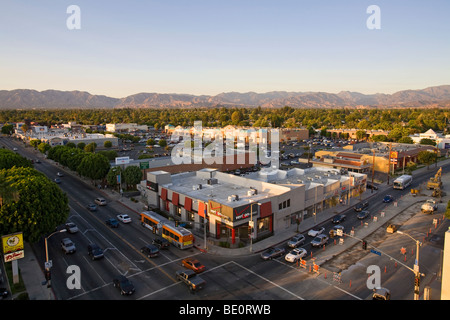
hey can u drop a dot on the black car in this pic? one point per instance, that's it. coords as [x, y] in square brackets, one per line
[338, 218]
[369, 185]
[94, 251]
[161, 243]
[363, 215]
[361, 206]
[125, 286]
[150, 250]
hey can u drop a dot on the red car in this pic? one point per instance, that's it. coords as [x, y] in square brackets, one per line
[193, 264]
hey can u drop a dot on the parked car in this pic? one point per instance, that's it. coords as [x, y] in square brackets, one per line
[361, 206]
[161, 243]
[363, 215]
[388, 199]
[71, 227]
[150, 250]
[100, 201]
[57, 180]
[68, 246]
[113, 223]
[193, 264]
[370, 185]
[125, 286]
[338, 218]
[60, 174]
[296, 241]
[271, 253]
[320, 240]
[94, 251]
[295, 255]
[124, 218]
[316, 231]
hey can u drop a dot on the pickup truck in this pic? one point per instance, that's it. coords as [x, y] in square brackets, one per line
[191, 279]
[429, 206]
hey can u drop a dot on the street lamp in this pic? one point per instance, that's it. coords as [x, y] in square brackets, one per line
[47, 265]
[251, 224]
[416, 266]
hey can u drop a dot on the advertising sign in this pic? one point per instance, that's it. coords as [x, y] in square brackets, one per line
[12, 245]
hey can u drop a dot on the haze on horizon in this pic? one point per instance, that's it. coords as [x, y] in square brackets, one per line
[205, 47]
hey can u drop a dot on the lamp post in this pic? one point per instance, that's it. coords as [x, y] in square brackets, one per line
[47, 265]
[416, 266]
[251, 224]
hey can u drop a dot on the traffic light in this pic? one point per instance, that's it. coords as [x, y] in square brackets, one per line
[417, 281]
[176, 223]
[48, 275]
[364, 245]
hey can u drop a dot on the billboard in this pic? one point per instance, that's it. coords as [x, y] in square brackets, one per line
[12, 245]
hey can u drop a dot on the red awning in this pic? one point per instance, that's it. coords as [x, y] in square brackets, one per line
[188, 204]
[164, 194]
[265, 209]
[175, 198]
[202, 207]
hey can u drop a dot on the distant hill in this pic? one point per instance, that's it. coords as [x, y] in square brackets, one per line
[438, 96]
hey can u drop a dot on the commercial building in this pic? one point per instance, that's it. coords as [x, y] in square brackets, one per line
[272, 199]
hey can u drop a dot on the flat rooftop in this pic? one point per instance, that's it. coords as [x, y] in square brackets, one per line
[209, 184]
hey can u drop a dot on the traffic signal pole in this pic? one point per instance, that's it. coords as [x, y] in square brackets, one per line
[416, 272]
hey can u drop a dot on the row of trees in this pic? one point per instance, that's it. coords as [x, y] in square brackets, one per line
[29, 201]
[414, 120]
[95, 166]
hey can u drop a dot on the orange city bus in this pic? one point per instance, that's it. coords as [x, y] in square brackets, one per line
[178, 236]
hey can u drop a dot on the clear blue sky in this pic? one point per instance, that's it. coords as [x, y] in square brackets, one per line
[210, 46]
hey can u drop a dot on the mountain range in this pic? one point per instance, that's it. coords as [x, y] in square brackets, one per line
[438, 96]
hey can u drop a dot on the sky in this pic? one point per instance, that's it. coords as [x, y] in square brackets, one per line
[209, 46]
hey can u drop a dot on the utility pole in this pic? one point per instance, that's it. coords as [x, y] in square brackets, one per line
[389, 162]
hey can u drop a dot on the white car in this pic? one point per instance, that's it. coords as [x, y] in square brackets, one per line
[124, 218]
[314, 232]
[295, 255]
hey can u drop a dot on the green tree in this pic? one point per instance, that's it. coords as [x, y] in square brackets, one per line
[7, 129]
[94, 166]
[107, 144]
[427, 141]
[408, 140]
[9, 159]
[44, 147]
[35, 142]
[426, 157]
[90, 147]
[162, 143]
[111, 176]
[132, 175]
[40, 208]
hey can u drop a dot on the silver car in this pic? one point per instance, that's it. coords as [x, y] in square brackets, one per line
[320, 240]
[296, 241]
[68, 246]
